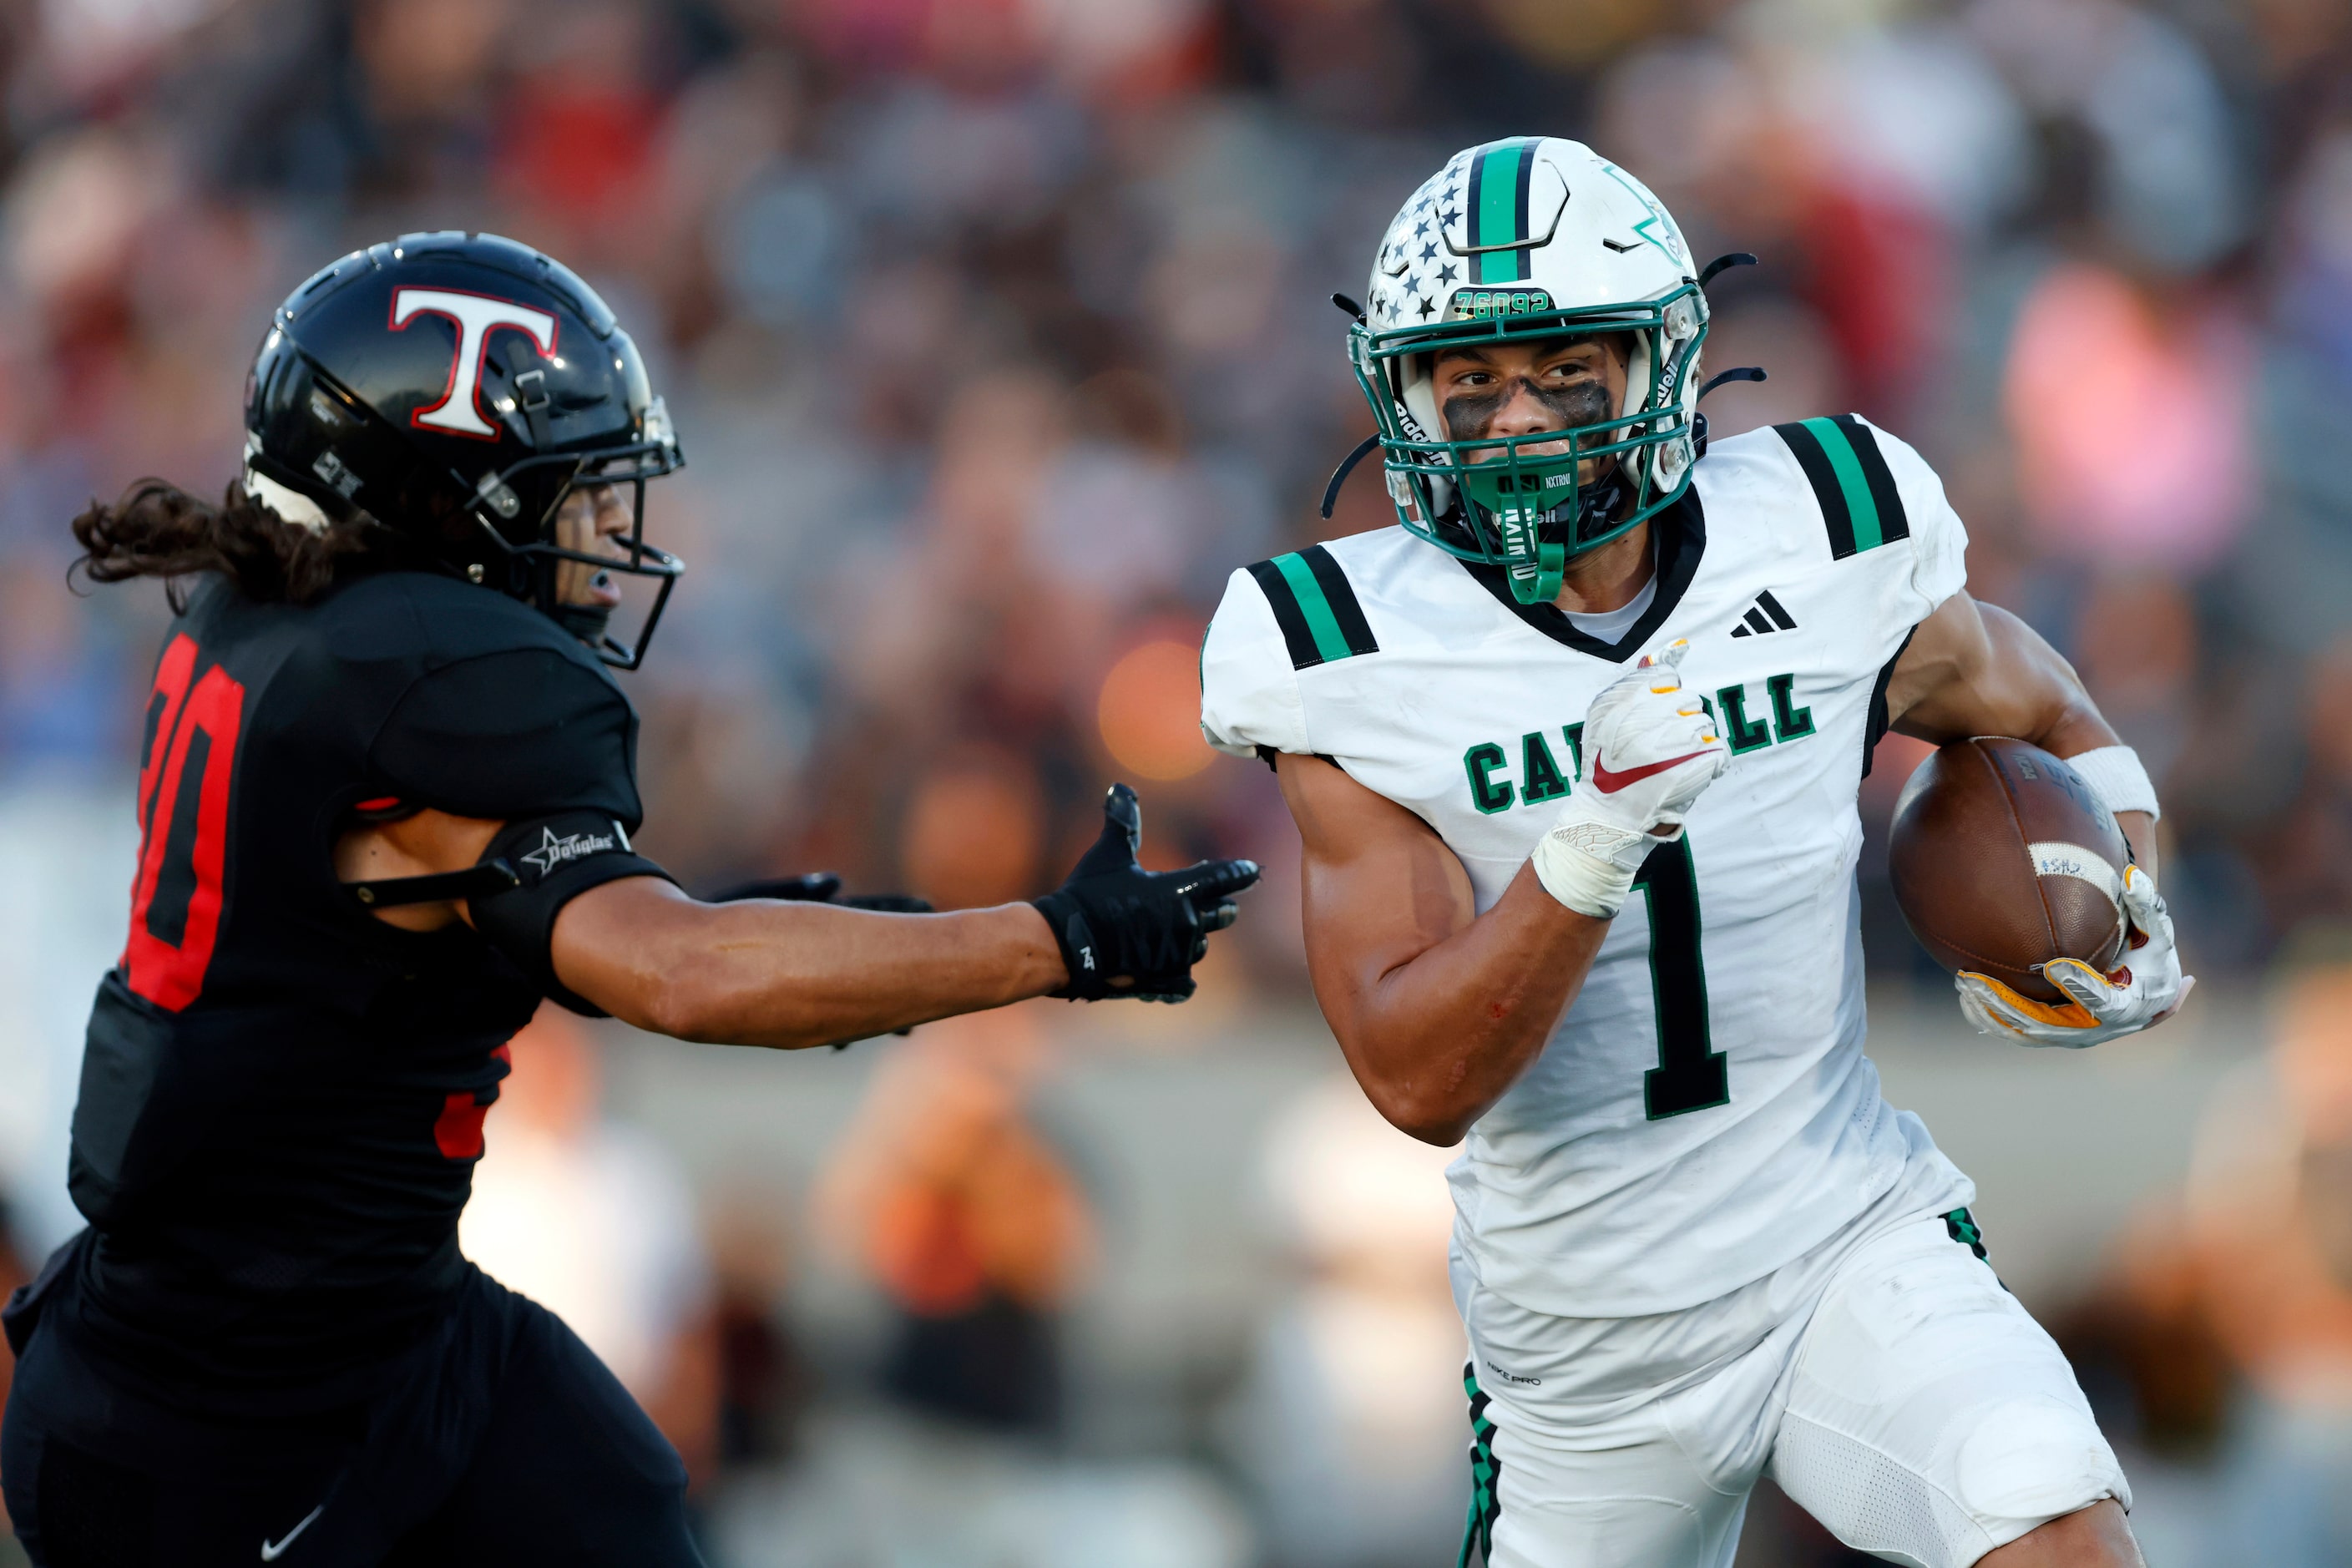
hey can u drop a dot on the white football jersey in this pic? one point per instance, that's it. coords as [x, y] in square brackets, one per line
[1703, 1113]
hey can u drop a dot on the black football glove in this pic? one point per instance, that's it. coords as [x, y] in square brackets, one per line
[823, 888]
[1117, 922]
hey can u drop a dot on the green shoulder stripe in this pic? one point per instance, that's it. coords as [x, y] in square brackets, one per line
[1321, 621]
[1860, 508]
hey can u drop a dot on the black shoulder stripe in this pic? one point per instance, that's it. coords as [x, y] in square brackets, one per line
[1295, 633]
[1321, 621]
[1341, 597]
[1807, 448]
[1893, 523]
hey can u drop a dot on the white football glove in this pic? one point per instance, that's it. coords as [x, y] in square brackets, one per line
[1650, 748]
[2148, 988]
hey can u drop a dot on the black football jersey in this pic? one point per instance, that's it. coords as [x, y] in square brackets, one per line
[282, 1097]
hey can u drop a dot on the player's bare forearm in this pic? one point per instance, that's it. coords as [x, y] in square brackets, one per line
[762, 973]
[1975, 669]
[1436, 1039]
[1438, 1009]
[752, 973]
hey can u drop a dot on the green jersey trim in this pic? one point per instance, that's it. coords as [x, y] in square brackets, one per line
[1320, 620]
[1860, 508]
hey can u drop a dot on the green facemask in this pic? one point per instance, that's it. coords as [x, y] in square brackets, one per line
[1499, 501]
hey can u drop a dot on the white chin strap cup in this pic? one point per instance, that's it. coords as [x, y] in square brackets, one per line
[291, 505]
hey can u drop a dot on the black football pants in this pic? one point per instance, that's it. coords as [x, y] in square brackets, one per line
[565, 1468]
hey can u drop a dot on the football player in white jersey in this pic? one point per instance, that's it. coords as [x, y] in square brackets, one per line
[1693, 1244]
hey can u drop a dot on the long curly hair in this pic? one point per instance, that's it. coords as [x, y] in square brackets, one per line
[158, 529]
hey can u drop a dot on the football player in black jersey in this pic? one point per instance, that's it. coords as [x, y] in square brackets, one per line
[386, 796]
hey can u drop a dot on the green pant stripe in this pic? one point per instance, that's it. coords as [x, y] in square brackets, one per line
[1328, 639]
[1486, 1472]
[1852, 480]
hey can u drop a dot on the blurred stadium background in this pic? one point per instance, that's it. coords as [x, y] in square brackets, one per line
[996, 332]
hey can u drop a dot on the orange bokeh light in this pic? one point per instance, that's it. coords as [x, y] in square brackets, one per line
[1150, 711]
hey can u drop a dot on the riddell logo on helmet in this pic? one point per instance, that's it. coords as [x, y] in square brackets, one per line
[476, 316]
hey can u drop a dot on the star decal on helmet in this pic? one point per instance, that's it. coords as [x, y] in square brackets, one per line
[1414, 251]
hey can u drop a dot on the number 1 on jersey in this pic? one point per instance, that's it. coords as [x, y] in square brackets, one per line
[1689, 1076]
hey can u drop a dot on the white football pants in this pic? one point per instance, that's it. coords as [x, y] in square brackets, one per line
[1902, 1398]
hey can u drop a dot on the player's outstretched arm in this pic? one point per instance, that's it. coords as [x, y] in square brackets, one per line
[1437, 1009]
[1975, 669]
[759, 972]
[792, 974]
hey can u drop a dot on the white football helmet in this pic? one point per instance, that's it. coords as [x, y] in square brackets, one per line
[1532, 238]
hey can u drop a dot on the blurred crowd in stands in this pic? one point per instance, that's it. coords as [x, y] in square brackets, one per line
[997, 335]
[996, 332]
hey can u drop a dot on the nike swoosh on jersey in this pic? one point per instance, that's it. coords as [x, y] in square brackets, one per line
[1608, 783]
[271, 1550]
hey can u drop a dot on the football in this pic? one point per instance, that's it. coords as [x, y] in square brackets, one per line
[2002, 859]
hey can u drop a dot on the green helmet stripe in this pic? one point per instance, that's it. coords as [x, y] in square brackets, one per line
[1498, 207]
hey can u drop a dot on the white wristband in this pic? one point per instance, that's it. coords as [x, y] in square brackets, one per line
[1580, 865]
[2117, 777]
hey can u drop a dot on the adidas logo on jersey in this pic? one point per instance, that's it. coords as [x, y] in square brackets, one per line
[1764, 617]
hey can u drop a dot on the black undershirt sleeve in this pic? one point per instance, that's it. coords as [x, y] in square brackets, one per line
[515, 733]
[543, 744]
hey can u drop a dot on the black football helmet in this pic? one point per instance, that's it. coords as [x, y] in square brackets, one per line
[455, 387]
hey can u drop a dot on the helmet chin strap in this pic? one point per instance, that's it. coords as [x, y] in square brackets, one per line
[1596, 504]
[586, 622]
